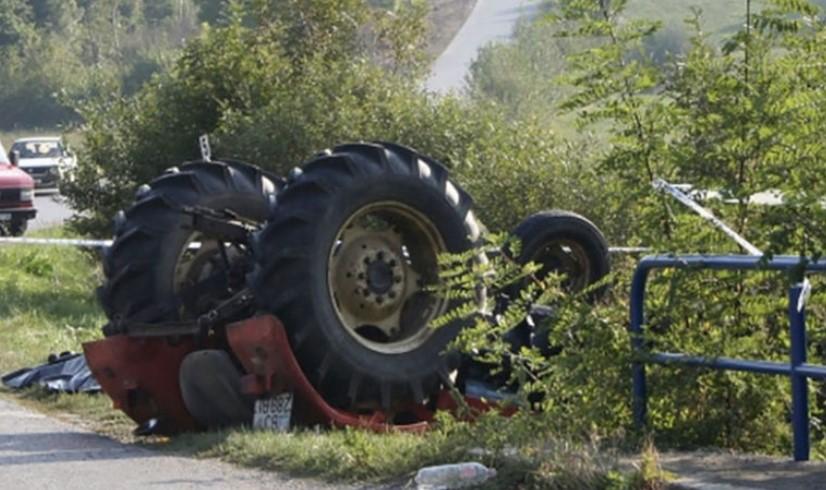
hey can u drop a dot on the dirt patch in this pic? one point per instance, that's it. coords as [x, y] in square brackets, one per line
[446, 18]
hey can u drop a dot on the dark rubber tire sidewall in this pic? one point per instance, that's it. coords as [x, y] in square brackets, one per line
[293, 253]
[150, 236]
[539, 229]
[450, 227]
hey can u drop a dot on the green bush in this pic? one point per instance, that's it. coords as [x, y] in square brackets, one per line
[266, 99]
[739, 118]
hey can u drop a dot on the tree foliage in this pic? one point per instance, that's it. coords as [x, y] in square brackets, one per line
[738, 117]
[264, 98]
[56, 53]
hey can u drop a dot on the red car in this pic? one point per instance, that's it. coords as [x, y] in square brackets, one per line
[16, 196]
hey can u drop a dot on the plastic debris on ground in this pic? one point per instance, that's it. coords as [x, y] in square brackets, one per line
[63, 373]
[449, 476]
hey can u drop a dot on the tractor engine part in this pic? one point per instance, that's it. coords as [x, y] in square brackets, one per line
[559, 242]
[211, 389]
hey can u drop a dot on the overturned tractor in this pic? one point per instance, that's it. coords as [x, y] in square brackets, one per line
[226, 285]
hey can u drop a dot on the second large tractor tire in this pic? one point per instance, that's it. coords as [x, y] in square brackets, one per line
[160, 268]
[345, 262]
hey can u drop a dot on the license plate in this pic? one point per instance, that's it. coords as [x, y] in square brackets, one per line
[274, 413]
[5, 216]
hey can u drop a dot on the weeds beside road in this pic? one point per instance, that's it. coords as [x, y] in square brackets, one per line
[47, 302]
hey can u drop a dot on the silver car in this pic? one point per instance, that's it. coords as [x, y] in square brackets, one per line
[47, 159]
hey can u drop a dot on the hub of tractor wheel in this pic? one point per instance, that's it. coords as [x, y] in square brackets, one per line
[378, 270]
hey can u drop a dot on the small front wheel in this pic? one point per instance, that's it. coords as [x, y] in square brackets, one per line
[565, 243]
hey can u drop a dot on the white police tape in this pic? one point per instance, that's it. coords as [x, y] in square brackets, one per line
[89, 243]
[65, 242]
[629, 250]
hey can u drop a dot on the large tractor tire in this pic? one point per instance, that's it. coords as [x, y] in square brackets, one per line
[345, 262]
[160, 268]
[566, 243]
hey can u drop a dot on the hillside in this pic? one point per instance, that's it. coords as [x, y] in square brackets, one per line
[58, 55]
[520, 74]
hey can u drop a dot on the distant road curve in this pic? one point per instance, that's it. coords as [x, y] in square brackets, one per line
[490, 20]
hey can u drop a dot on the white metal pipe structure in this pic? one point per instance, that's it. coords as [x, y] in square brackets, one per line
[683, 198]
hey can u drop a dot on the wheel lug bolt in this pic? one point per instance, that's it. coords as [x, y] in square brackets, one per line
[391, 294]
[367, 260]
[392, 263]
[380, 255]
[379, 300]
[361, 275]
[397, 279]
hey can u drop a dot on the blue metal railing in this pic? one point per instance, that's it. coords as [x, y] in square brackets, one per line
[797, 369]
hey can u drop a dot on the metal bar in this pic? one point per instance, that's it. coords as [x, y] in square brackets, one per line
[800, 391]
[797, 369]
[683, 198]
[639, 386]
[729, 262]
[811, 371]
[723, 363]
[731, 364]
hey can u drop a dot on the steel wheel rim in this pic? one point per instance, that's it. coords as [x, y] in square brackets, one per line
[568, 258]
[199, 258]
[379, 266]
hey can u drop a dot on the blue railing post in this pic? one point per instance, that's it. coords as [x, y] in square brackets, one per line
[797, 368]
[639, 404]
[800, 391]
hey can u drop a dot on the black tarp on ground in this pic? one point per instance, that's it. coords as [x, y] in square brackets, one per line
[64, 373]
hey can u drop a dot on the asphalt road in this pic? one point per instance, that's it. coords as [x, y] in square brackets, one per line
[490, 21]
[52, 210]
[38, 452]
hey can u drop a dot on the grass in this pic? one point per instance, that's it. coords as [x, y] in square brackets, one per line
[524, 454]
[49, 306]
[48, 302]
